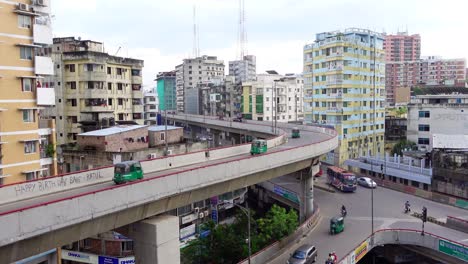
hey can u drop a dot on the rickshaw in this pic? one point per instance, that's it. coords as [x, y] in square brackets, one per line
[127, 171]
[296, 132]
[258, 146]
[336, 225]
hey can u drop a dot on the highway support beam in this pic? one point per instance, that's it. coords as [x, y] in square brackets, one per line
[157, 240]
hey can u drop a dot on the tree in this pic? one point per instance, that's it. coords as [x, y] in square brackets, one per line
[277, 224]
[401, 145]
[49, 150]
[401, 111]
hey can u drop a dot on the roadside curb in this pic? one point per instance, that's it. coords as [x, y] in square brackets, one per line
[429, 219]
[327, 189]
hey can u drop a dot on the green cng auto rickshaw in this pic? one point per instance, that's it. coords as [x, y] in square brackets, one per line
[258, 146]
[296, 132]
[127, 171]
[336, 225]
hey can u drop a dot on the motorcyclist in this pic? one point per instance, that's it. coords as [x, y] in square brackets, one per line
[407, 207]
[343, 210]
[330, 259]
[335, 257]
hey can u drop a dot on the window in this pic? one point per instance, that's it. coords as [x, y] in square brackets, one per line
[28, 116]
[90, 85]
[120, 102]
[109, 101]
[74, 119]
[121, 116]
[24, 21]
[424, 114]
[109, 70]
[73, 85]
[345, 131]
[71, 67]
[109, 86]
[119, 71]
[26, 53]
[127, 246]
[423, 128]
[423, 141]
[30, 147]
[26, 84]
[119, 86]
[73, 102]
[162, 136]
[30, 176]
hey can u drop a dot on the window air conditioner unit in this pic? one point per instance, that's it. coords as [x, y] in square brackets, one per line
[23, 7]
[152, 156]
[206, 213]
[201, 215]
[196, 210]
[40, 2]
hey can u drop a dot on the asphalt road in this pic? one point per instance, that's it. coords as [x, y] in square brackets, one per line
[388, 213]
[307, 138]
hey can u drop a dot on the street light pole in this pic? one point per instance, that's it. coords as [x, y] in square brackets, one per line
[246, 211]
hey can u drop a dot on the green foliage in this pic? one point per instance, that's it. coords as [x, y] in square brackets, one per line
[401, 111]
[277, 224]
[229, 244]
[401, 145]
[50, 150]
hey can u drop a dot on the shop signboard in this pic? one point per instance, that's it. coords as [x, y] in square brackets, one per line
[187, 231]
[79, 256]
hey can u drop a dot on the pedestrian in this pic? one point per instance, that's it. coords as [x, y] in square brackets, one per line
[335, 257]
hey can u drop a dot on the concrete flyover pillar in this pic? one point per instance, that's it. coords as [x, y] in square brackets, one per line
[216, 137]
[157, 240]
[307, 182]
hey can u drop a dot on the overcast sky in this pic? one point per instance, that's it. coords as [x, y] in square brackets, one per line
[160, 31]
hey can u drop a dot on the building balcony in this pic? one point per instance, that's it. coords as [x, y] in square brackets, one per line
[137, 93]
[137, 108]
[97, 108]
[136, 79]
[43, 65]
[150, 116]
[94, 93]
[150, 108]
[45, 96]
[96, 76]
[41, 6]
[46, 161]
[42, 34]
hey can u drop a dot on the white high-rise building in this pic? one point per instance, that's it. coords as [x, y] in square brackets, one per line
[243, 70]
[201, 70]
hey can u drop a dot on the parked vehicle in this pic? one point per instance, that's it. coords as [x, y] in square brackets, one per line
[127, 171]
[341, 179]
[296, 133]
[336, 225]
[258, 146]
[367, 182]
[304, 254]
[237, 118]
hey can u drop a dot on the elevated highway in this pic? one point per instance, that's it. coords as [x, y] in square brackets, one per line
[54, 219]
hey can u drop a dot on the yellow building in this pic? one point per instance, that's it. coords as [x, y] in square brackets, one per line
[344, 87]
[26, 70]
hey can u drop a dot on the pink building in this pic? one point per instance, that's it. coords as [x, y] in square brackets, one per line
[402, 47]
[401, 76]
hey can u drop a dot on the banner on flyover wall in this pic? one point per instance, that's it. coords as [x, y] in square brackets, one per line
[360, 251]
[454, 250]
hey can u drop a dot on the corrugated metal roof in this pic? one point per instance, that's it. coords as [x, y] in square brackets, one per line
[449, 141]
[161, 128]
[111, 130]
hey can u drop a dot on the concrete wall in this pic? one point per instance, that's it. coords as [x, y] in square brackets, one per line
[405, 237]
[173, 136]
[457, 223]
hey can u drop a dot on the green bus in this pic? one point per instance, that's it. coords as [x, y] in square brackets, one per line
[296, 133]
[127, 171]
[258, 146]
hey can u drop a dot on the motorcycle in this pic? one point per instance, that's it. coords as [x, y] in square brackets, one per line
[407, 209]
[343, 213]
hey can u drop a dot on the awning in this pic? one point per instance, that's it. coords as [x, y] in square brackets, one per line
[24, 12]
[29, 77]
[29, 171]
[28, 45]
[30, 108]
[29, 140]
[3, 109]
[4, 175]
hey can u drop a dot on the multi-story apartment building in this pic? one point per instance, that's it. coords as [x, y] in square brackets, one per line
[243, 70]
[26, 133]
[94, 89]
[429, 71]
[166, 90]
[151, 107]
[273, 96]
[191, 72]
[344, 75]
[402, 47]
[437, 113]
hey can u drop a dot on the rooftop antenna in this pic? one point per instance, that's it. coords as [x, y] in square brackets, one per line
[242, 34]
[117, 51]
[196, 42]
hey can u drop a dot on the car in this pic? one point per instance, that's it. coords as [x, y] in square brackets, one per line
[304, 254]
[367, 182]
